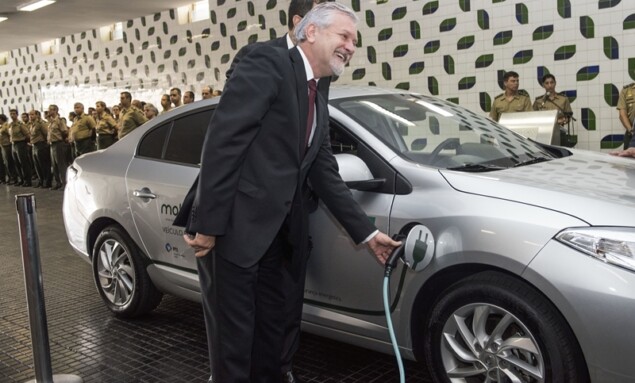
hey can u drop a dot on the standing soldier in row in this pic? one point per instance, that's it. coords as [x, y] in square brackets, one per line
[57, 135]
[82, 131]
[41, 152]
[552, 100]
[626, 108]
[106, 126]
[19, 134]
[512, 100]
[5, 146]
[130, 117]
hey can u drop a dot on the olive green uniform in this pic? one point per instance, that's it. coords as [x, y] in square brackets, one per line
[57, 138]
[41, 152]
[557, 102]
[19, 134]
[626, 102]
[106, 130]
[7, 157]
[82, 134]
[129, 119]
[519, 103]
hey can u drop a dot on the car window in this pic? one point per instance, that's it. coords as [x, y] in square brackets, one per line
[186, 138]
[152, 143]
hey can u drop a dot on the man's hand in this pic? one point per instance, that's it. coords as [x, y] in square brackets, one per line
[201, 243]
[630, 152]
[382, 246]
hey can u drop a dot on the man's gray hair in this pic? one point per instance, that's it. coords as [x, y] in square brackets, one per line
[322, 16]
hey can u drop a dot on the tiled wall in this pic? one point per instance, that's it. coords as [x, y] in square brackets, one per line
[455, 49]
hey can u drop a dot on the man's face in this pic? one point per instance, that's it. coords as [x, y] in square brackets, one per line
[187, 99]
[175, 98]
[549, 85]
[32, 116]
[115, 110]
[165, 101]
[512, 84]
[25, 117]
[124, 100]
[335, 45]
[206, 93]
[52, 112]
[13, 115]
[149, 112]
[79, 109]
[99, 109]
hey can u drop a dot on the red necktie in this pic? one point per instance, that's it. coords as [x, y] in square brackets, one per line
[309, 121]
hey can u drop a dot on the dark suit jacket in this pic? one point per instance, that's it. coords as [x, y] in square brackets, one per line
[252, 170]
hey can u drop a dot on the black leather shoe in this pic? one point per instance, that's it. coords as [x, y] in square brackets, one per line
[288, 377]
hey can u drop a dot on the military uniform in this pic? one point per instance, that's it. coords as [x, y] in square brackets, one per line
[557, 102]
[519, 103]
[626, 102]
[106, 130]
[41, 152]
[129, 119]
[82, 134]
[57, 132]
[7, 157]
[19, 134]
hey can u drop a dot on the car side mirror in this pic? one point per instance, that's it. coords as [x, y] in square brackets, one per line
[355, 173]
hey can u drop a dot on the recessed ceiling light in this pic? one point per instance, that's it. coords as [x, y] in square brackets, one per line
[2, 18]
[33, 5]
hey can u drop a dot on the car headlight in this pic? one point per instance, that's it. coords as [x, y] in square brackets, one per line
[615, 245]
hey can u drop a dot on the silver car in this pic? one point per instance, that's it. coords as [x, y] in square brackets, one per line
[532, 271]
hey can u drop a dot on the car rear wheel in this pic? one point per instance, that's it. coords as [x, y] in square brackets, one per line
[120, 275]
[494, 328]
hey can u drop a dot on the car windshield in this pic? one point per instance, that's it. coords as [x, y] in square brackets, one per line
[441, 134]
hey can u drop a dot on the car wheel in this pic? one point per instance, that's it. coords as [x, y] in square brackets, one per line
[491, 327]
[120, 275]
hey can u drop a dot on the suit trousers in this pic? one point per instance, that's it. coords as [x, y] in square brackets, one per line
[9, 165]
[59, 150]
[244, 315]
[42, 160]
[21, 160]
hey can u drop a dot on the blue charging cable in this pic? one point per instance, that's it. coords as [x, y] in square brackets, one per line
[390, 265]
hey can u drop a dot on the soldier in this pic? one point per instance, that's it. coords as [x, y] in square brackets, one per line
[188, 97]
[106, 126]
[82, 131]
[626, 108]
[513, 100]
[57, 134]
[175, 97]
[19, 135]
[553, 100]
[41, 151]
[7, 157]
[130, 117]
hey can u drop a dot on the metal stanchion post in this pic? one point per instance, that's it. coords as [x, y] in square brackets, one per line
[25, 204]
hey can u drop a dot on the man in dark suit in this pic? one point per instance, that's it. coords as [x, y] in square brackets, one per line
[264, 143]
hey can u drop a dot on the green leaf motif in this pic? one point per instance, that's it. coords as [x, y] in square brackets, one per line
[612, 141]
[611, 48]
[483, 19]
[415, 30]
[603, 4]
[522, 14]
[359, 74]
[485, 101]
[403, 86]
[271, 4]
[355, 5]
[465, 42]
[386, 71]
[611, 94]
[631, 68]
[564, 8]
[282, 15]
[385, 34]
[370, 19]
[400, 51]
[241, 26]
[629, 22]
[447, 25]
[588, 73]
[416, 68]
[503, 37]
[467, 83]
[430, 8]
[431, 46]
[543, 33]
[564, 52]
[587, 27]
[523, 57]
[484, 61]
[433, 86]
[399, 13]
[372, 55]
[231, 13]
[588, 119]
[448, 64]
[454, 100]
[464, 5]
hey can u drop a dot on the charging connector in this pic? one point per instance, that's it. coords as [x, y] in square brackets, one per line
[391, 263]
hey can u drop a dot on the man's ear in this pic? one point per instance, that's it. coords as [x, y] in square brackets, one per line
[296, 20]
[310, 32]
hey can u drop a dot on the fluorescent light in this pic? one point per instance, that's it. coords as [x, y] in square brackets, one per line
[2, 18]
[33, 5]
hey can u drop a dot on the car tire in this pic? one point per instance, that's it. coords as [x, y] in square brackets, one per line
[120, 275]
[513, 331]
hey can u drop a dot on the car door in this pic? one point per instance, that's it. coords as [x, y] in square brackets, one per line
[157, 180]
[341, 276]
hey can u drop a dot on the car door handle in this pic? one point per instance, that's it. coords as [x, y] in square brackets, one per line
[144, 193]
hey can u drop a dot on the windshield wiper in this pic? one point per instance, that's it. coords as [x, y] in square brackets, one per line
[477, 168]
[532, 161]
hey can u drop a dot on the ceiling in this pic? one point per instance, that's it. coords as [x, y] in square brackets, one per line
[66, 17]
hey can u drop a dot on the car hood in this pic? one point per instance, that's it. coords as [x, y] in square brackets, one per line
[594, 187]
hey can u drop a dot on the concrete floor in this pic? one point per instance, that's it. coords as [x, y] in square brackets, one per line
[166, 346]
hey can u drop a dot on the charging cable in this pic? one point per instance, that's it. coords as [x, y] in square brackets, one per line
[391, 262]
